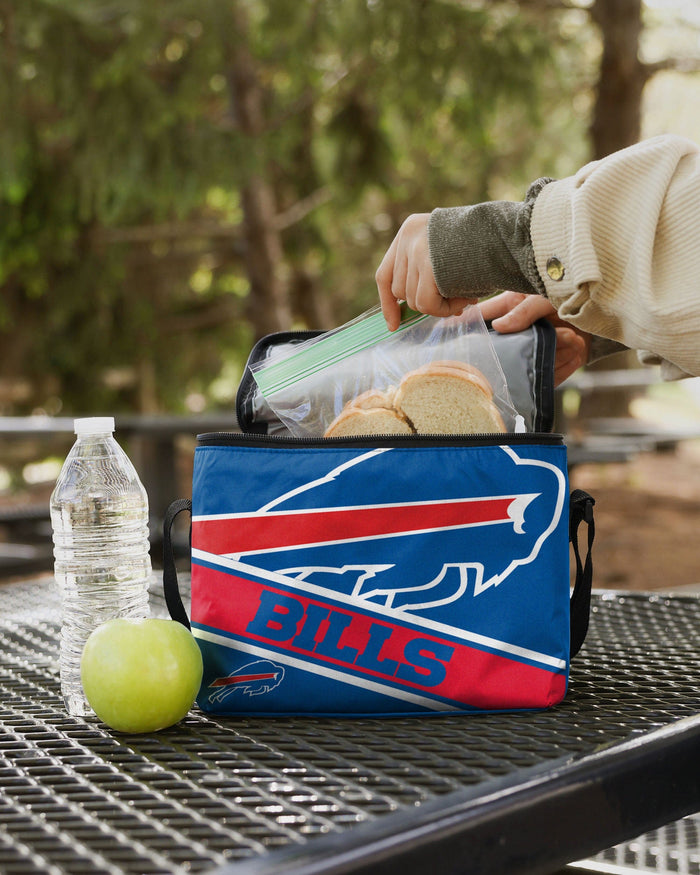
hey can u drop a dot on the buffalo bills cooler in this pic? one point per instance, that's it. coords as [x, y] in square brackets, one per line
[343, 577]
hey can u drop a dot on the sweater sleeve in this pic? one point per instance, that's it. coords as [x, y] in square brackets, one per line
[481, 249]
[617, 247]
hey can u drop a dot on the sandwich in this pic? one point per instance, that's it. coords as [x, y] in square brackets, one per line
[443, 397]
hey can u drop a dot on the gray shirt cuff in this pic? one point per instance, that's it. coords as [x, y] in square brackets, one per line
[481, 249]
[602, 347]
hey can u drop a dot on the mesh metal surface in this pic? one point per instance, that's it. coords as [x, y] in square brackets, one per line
[76, 797]
[672, 850]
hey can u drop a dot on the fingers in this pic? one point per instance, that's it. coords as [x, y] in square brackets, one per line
[406, 274]
[513, 311]
[572, 352]
[384, 278]
[448, 306]
[499, 305]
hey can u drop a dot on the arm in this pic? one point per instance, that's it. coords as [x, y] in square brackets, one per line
[441, 261]
[614, 249]
[626, 231]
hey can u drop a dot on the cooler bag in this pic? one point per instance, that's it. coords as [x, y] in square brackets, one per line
[384, 576]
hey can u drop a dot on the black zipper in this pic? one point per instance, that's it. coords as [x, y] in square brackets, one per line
[226, 438]
[248, 388]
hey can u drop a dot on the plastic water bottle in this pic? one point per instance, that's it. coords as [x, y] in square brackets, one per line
[99, 515]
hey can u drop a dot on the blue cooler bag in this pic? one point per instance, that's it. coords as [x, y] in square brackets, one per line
[383, 576]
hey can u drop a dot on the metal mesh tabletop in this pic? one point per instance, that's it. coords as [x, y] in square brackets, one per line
[76, 797]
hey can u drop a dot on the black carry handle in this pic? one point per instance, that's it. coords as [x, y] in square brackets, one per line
[171, 590]
[581, 511]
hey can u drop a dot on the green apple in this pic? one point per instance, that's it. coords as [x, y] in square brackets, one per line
[141, 675]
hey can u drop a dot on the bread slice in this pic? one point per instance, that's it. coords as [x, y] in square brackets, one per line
[441, 397]
[459, 368]
[375, 420]
[447, 400]
[375, 398]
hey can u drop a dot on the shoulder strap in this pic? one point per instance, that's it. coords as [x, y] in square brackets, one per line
[171, 591]
[581, 511]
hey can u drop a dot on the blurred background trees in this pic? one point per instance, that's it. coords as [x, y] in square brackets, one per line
[179, 178]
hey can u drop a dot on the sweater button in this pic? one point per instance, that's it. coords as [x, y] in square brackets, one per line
[555, 269]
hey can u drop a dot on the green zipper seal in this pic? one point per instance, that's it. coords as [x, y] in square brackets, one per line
[309, 359]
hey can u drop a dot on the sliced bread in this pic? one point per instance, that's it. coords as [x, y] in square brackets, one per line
[459, 368]
[447, 401]
[374, 420]
[372, 398]
[441, 397]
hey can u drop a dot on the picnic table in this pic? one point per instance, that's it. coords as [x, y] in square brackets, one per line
[152, 444]
[151, 441]
[492, 793]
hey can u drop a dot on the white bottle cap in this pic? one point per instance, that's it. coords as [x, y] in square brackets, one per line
[94, 425]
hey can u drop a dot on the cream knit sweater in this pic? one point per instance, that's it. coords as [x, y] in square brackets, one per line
[615, 248]
[626, 232]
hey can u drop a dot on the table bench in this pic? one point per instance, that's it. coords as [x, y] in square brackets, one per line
[151, 442]
[605, 439]
[27, 547]
[501, 793]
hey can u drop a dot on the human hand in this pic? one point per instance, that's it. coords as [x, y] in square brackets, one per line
[513, 311]
[406, 274]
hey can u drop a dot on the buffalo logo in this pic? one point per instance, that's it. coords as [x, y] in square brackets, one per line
[253, 679]
[453, 544]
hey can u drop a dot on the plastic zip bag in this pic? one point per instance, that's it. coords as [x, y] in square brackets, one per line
[311, 385]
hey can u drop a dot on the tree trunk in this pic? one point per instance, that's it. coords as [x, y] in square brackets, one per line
[311, 306]
[617, 113]
[269, 308]
[616, 123]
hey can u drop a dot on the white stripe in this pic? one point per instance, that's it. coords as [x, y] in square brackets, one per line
[327, 672]
[306, 588]
[327, 478]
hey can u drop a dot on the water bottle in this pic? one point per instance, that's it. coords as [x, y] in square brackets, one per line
[99, 515]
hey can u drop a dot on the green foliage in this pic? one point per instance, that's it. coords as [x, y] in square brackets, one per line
[122, 156]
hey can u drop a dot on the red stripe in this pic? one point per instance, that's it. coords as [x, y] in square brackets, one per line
[270, 531]
[474, 677]
[242, 679]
